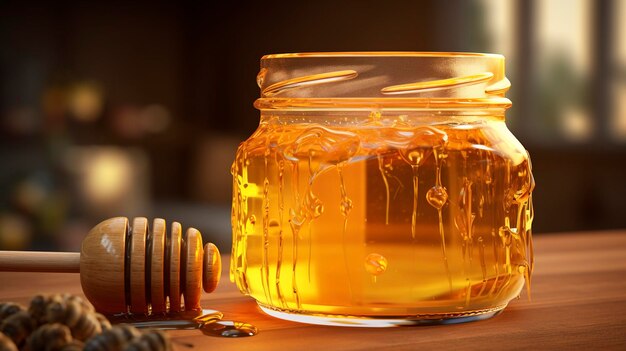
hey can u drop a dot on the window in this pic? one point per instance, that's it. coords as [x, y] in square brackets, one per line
[562, 57]
[618, 85]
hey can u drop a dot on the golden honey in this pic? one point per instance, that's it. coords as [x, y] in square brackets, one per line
[381, 210]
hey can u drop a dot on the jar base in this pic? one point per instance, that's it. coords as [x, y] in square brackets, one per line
[382, 321]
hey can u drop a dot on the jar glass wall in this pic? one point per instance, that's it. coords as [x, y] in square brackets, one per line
[382, 189]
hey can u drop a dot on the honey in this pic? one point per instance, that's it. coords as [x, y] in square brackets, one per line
[401, 216]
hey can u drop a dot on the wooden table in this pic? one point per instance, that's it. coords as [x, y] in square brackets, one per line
[578, 302]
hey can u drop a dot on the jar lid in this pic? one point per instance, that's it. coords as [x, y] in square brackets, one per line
[382, 80]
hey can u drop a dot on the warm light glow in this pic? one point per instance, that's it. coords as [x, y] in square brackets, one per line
[619, 21]
[86, 102]
[107, 175]
[619, 113]
[155, 118]
[577, 125]
[15, 232]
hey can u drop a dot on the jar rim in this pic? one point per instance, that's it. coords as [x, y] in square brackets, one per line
[442, 54]
[387, 77]
[398, 104]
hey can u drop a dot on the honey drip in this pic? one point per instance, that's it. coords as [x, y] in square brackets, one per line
[352, 188]
[208, 321]
[295, 222]
[386, 181]
[437, 197]
[346, 207]
[266, 219]
[281, 210]
[415, 169]
[483, 265]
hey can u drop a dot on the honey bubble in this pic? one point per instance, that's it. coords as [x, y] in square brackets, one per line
[375, 264]
[437, 196]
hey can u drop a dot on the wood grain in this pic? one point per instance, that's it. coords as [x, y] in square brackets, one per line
[211, 267]
[191, 269]
[102, 265]
[578, 303]
[157, 265]
[173, 263]
[138, 303]
[33, 261]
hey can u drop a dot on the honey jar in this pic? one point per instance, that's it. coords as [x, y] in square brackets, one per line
[382, 189]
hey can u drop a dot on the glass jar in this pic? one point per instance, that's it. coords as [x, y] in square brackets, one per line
[382, 188]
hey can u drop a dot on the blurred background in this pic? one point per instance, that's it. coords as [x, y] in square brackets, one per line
[136, 108]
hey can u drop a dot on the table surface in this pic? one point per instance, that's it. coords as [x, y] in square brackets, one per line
[578, 302]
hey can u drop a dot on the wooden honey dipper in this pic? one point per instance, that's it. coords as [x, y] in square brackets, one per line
[130, 268]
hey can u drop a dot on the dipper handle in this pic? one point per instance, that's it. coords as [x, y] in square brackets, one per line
[39, 261]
